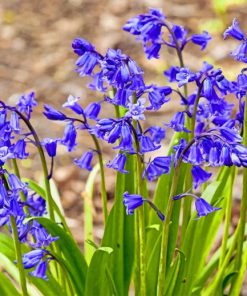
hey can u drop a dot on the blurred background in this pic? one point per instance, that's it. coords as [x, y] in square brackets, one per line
[35, 54]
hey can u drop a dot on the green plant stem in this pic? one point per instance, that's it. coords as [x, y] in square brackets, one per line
[179, 54]
[227, 219]
[19, 256]
[188, 180]
[102, 175]
[217, 279]
[141, 233]
[243, 210]
[165, 235]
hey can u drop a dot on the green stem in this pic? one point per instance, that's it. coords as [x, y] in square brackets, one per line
[102, 175]
[243, 210]
[165, 234]
[141, 233]
[227, 219]
[19, 256]
[179, 53]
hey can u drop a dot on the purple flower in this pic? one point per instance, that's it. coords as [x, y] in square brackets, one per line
[157, 96]
[157, 167]
[136, 110]
[201, 39]
[50, 146]
[73, 105]
[178, 122]
[40, 270]
[203, 208]
[88, 56]
[199, 176]
[26, 104]
[15, 183]
[234, 31]
[146, 144]
[69, 137]
[15, 122]
[172, 73]
[184, 76]
[147, 27]
[132, 202]
[53, 114]
[118, 163]
[33, 257]
[120, 70]
[19, 149]
[84, 162]
[92, 110]
[240, 52]
[157, 133]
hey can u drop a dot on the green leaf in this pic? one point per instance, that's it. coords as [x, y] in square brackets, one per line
[200, 235]
[111, 272]
[88, 214]
[74, 261]
[6, 286]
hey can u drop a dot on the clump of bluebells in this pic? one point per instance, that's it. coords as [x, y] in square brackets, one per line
[208, 134]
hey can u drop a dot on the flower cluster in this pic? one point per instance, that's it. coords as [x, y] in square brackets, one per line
[17, 200]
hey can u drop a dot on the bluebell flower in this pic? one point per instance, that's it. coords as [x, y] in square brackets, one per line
[178, 122]
[157, 96]
[33, 257]
[157, 133]
[5, 154]
[98, 82]
[171, 73]
[50, 146]
[3, 194]
[126, 143]
[15, 122]
[178, 150]
[194, 155]
[132, 202]
[40, 270]
[84, 162]
[69, 137]
[152, 51]
[88, 56]
[122, 97]
[184, 76]
[26, 103]
[234, 31]
[147, 145]
[180, 34]
[19, 149]
[157, 167]
[242, 82]
[147, 27]
[230, 135]
[136, 110]
[203, 208]
[3, 117]
[72, 103]
[240, 53]
[201, 39]
[120, 70]
[36, 205]
[41, 237]
[200, 176]
[214, 156]
[118, 163]
[225, 156]
[15, 183]
[15, 209]
[53, 114]
[92, 110]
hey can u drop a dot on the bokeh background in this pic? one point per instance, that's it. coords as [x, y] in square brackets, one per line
[35, 54]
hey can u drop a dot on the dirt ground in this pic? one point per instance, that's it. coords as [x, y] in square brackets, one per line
[35, 54]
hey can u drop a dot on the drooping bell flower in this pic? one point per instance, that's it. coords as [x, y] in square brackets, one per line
[84, 162]
[118, 163]
[200, 176]
[72, 103]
